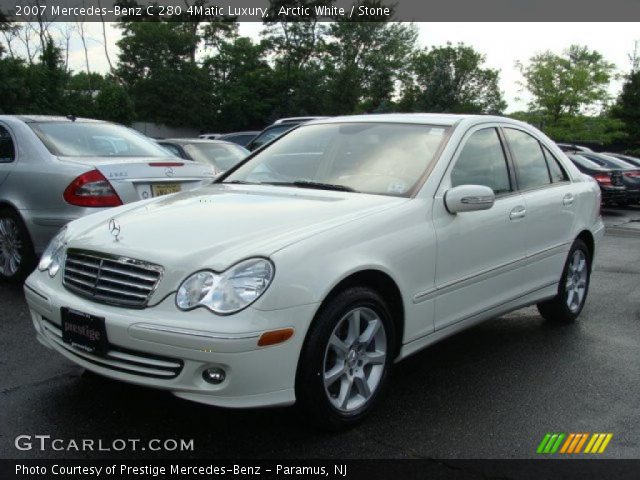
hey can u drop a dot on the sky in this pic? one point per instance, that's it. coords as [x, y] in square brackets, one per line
[503, 44]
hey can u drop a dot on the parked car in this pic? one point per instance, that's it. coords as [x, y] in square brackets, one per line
[306, 272]
[630, 174]
[296, 120]
[610, 180]
[627, 158]
[56, 169]
[241, 138]
[210, 136]
[278, 128]
[219, 154]
[570, 147]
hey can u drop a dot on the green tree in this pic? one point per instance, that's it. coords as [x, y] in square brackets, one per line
[294, 47]
[627, 108]
[568, 84]
[14, 86]
[114, 104]
[602, 129]
[156, 66]
[363, 61]
[242, 85]
[46, 82]
[451, 79]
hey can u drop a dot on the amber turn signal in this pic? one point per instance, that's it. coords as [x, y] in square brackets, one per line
[275, 336]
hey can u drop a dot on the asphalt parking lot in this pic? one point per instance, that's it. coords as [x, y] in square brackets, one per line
[490, 392]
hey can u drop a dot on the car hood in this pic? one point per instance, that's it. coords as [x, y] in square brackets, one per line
[218, 225]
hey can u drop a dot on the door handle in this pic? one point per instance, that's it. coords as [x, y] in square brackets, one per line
[517, 213]
[568, 199]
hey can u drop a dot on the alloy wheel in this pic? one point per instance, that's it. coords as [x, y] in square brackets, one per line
[355, 359]
[10, 247]
[576, 283]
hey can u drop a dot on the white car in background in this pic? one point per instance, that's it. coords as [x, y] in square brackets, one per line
[57, 169]
[306, 271]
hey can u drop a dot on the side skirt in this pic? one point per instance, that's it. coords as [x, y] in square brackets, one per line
[525, 300]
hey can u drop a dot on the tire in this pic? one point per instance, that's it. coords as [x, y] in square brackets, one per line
[566, 306]
[361, 363]
[17, 256]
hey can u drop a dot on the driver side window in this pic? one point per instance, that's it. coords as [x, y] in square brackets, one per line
[482, 162]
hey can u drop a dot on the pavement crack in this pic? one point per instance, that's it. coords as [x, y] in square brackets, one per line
[60, 376]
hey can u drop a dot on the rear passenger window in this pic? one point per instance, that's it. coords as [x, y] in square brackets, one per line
[530, 164]
[555, 169]
[482, 162]
[7, 151]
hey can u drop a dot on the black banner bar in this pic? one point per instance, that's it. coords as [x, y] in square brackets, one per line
[322, 10]
[317, 469]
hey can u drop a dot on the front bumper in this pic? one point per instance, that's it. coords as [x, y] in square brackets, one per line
[163, 347]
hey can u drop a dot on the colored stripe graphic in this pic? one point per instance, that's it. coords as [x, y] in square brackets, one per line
[598, 443]
[581, 443]
[550, 443]
[573, 443]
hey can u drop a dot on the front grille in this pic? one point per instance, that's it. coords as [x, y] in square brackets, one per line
[119, 359]
[110, 279]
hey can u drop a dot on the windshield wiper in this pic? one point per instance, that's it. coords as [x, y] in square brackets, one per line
[316, 185]
[240, 182]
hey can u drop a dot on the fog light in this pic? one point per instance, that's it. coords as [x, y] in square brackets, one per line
[214, 375]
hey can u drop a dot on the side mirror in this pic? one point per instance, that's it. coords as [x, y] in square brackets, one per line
[469, 198]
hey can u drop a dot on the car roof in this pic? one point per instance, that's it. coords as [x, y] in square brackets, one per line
[185, 141]
[444, 119]
[248, 132]
[286, 120]
[52, 118]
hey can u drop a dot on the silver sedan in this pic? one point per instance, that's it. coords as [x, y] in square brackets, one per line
[56, 169]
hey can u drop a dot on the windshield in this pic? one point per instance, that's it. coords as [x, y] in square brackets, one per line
[221, 156]
[84, 139]
[586, 163]
[615, 162]
[378, 158]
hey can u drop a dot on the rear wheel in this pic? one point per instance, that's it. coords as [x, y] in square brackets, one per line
[17, 257]
[566, 306]
[346, 359]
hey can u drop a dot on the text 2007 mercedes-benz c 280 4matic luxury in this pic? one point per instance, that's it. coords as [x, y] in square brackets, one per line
[308, 269]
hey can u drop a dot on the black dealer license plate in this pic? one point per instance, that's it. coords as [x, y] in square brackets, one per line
[84, 331]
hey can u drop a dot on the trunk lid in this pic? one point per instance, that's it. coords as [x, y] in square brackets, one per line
[139, 178]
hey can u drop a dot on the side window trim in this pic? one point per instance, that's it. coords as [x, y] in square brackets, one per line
[461, 146]
[547, 152]
[13, 145]
[513, 179]
[512, 158]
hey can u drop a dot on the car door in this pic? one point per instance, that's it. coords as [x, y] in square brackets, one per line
[7, 153]
[550, 206]
[477, 252]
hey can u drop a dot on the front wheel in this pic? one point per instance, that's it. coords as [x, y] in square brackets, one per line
[566, 306]
[17, 258]
[346, 359]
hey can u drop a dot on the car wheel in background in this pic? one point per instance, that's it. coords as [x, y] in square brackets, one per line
[17, 257]
[566, 306]
[346, 359]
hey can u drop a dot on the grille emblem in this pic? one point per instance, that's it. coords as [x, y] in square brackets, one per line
[114, 229]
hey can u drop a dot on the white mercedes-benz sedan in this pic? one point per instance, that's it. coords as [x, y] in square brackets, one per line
[308, 269]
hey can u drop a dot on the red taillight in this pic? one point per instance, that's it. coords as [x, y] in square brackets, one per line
[603, 178]
[91, 189]
[632, 174]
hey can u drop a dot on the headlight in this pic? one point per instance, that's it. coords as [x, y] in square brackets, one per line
[51, 259]
[226, 292]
